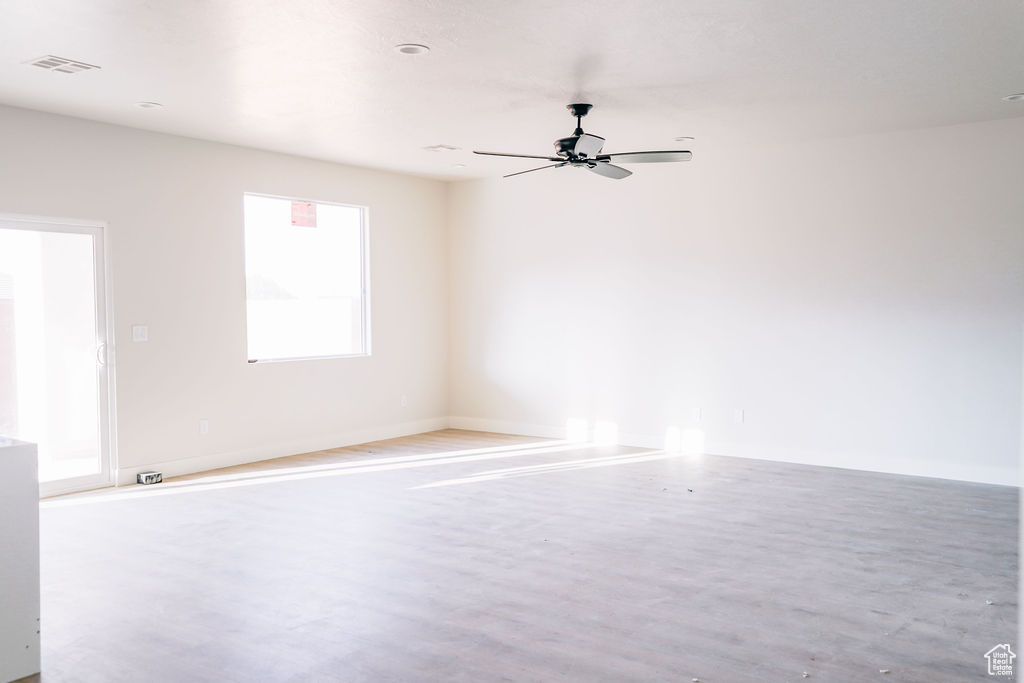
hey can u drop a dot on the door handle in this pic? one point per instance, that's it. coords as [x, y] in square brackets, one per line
[101, 354]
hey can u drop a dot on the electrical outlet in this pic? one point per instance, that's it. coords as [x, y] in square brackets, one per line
[204, 427]
[140, 333]
[405, 401]
[696, 414]
[739, 416]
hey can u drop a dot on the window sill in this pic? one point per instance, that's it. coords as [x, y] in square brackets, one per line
[259, 361]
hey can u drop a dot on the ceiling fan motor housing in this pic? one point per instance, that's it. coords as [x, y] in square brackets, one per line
[565, 146]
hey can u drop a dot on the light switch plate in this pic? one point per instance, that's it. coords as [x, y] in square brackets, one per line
[140, 333]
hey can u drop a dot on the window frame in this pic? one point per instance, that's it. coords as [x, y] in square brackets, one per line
[364, 280]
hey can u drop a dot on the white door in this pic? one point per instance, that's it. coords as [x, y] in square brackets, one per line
[54, 379]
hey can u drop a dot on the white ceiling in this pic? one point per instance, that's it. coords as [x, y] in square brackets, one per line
[320, 78]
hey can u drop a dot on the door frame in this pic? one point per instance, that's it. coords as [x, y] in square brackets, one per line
[104, 343]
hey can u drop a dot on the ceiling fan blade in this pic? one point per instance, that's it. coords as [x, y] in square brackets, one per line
[588, 145]
[531, 170]
[610, 171]
[646, 157]
[518, 156]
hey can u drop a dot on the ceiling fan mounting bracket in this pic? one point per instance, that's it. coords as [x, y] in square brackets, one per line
[579, 110]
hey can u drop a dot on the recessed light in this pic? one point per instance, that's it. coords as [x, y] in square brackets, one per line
[684, 138]
[412, 49]
[458, 166]
[441, 148]
[1015, 97]
[149, 105]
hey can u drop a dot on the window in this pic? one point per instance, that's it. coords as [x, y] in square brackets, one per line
[305, 279]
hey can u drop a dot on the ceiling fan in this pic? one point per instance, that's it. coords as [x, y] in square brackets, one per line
[583, 150]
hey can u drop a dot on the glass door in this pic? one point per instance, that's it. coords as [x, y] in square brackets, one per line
[54, 387]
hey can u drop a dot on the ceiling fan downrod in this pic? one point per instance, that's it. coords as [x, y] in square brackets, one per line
[579, 111]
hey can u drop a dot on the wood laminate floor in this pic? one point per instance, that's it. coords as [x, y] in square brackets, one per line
[461, 556]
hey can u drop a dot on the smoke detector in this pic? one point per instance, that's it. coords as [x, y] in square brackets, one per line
[61, 64]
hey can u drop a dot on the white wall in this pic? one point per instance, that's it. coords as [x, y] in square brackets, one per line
[860, 299]
[174, 212]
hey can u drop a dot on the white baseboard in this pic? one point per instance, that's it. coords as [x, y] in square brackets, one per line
[175, 468]
[869, 462]
[479, 424]
[860, 461]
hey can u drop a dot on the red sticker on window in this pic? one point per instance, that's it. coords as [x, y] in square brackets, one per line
[304, 214]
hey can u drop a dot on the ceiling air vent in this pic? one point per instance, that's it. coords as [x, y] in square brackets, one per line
[65, 66]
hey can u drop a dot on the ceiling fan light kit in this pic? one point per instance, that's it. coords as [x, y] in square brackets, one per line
[583, 150]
